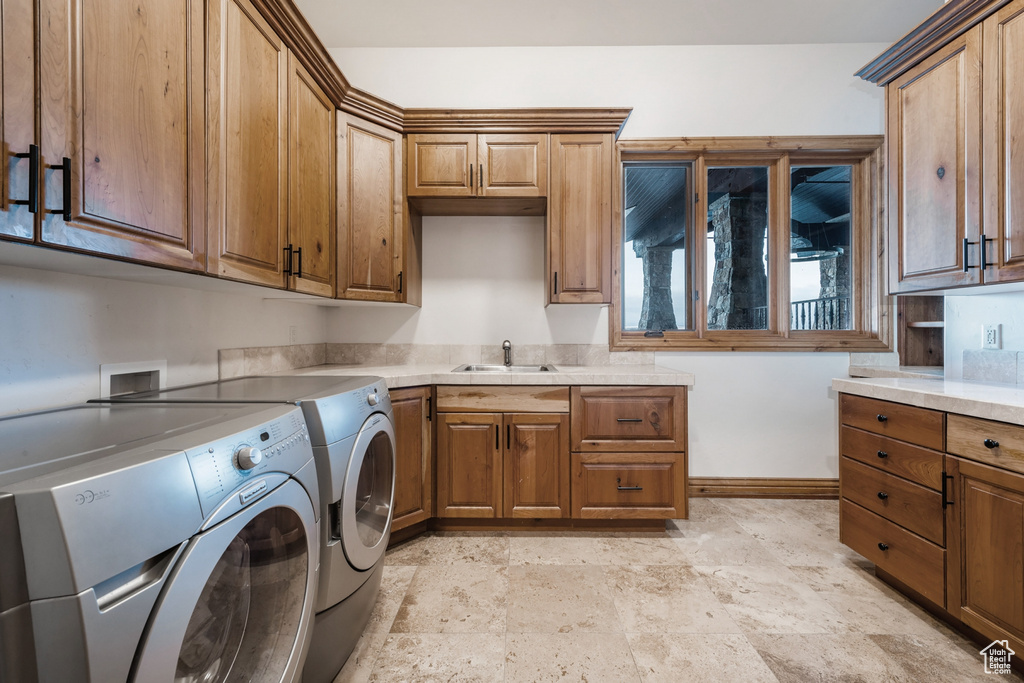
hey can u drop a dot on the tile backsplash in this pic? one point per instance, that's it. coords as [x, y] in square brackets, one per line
[985, 365]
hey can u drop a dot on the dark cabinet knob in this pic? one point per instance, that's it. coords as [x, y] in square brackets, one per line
[941, 172]
[882, 418]
[883, 495]
[991, 443]
[883, 546]
[883, 454]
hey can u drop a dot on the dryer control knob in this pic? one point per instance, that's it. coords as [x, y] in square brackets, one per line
[248, 457]
[372, 399]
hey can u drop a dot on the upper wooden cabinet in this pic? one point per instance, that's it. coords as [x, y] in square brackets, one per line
[953, 114]
[580, 219]
[122, 130]
[378, 239]
[17, 118]
[471, 165]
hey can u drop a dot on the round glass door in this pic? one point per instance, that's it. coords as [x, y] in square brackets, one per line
[369, 494]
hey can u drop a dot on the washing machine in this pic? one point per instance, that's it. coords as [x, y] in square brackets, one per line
[157, 543]
[352, 430]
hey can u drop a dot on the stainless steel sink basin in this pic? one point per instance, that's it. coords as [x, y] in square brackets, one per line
[505, 368]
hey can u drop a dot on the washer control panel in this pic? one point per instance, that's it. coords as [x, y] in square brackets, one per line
[221, 466]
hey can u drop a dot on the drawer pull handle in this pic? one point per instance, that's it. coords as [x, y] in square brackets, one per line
[882, 418]
[883, 495]
[883, 454]
[627, 488]
[629, 419]
[946, 478]
[991, 443]
[883, 546]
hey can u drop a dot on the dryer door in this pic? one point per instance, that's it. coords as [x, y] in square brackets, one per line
[369, 493]
[239, 603]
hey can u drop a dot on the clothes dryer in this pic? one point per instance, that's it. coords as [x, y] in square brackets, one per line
[156, 543]
[352, 431]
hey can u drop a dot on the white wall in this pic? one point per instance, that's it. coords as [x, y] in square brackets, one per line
[966, 314]
[56, 330]
[751, 414]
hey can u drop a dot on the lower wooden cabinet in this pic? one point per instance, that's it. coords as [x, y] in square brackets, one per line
[469, 467]
[414, 463]
[629, 485]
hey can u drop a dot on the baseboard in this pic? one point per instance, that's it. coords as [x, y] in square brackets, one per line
[733, 487]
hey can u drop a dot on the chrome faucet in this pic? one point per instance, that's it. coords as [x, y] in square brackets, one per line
[506, 346]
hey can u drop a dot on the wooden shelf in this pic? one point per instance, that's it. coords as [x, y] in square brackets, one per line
[927, 323]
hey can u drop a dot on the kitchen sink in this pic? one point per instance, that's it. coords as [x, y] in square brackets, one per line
[505, 368]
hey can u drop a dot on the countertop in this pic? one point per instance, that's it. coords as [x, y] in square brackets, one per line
[1000, 402]
[397, 376]
[914, 371]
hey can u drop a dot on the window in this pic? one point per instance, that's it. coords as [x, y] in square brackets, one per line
[749, 243]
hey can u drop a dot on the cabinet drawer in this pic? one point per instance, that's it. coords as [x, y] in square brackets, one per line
[993, 443]
[911, 462]
[898, 500]
[907, 423]
[628, 418]
[629, 485]
[911, 559]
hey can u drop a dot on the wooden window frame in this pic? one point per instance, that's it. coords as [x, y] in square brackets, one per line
[871, 308]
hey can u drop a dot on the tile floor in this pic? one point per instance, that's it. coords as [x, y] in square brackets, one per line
[744, 590]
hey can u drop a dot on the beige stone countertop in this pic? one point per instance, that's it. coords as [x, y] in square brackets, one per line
[1000, 402]
[913, 371]
[397, 376]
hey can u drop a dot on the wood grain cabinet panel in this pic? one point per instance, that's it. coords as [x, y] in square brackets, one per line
[580, 218]
[311, 184]
[373, 239]
[910, 505]
[247, 91]
[918, 426]
[17, 116]
[1004, 155]
[414, 481]
[993, 443]
[934, 134]
[536, 465]
[471, 165]
[469, 465]
[121, 97]
[629, 485]
[442, 165]
[513, 165]
[628, 418]
[919, 465]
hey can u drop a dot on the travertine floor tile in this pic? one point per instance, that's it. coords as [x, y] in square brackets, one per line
[430, 657]
[596, 550]
[825, 657]
[448, 548]
[659, 599]
[938, 658]
[771, 600]
[560, 600]
[703, 510]
[720, 543]
[801, 545]
[592, 657]
[686, 658]
[454, 599]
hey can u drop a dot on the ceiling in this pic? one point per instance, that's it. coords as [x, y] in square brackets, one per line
[497, 23]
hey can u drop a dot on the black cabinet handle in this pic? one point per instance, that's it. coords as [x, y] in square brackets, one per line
[984, 248]
[945, 489]
[991, 443]
[298, 252]
[967, 243]
[287, 260]
[508, 436]
[556, 282]
[65, 209]
[883, 454]
[497, 437]
[620, 487]
[882, 495]
[429, 408]
[400, 281]
[629, 419]
[481, 185]
[883, 546]
[33, 179]
[471, 176]
[882, 418]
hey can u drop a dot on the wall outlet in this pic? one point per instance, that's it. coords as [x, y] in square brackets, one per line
[993, 337]
[293, 334]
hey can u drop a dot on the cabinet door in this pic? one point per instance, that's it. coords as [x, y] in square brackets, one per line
[1004, 156]
[580, 219]
[987, 586]
[247, 102]
[442, 165]
[536, 465]
[121, 98]
[513, 165]
[371, 235]
[469, 472]
[311, 186]
[413, 463]
[934, 134]
[17, 114]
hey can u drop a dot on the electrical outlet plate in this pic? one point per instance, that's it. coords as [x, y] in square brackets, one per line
[992, 337]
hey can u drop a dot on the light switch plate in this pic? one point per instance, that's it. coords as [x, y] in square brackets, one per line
[992, 337]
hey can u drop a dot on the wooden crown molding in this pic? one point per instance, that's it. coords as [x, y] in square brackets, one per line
[746, 144]
[946, 23]
[552, 120]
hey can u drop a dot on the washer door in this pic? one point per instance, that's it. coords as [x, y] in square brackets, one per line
[369, 493]
[239, 604]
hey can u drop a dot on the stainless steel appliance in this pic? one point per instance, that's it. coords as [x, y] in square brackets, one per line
[157, 543]
[351, 426]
